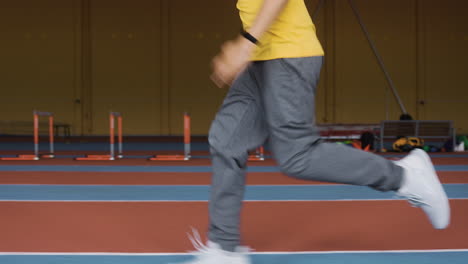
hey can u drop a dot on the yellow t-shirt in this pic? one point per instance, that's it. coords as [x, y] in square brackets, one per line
[292, 35]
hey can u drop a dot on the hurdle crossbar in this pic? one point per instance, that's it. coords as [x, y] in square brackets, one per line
[37, 155]
[186, 156]
[112, 155]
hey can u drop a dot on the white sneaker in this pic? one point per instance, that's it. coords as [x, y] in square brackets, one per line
[213, 254]
[422, 188]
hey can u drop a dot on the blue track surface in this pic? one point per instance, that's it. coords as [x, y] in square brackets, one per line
[330, 258]
[200, 193]
[116, 168]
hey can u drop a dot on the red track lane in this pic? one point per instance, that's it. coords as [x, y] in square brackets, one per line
[166, 178]
[450, 161]
[162, 227]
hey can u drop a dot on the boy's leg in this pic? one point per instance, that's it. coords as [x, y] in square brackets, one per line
[239, 126]
[288, 91]
[288, 88]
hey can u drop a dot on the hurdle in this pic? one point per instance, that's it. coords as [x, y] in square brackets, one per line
[111, 156]
[186, 155]
[259, 155]
[37, 155]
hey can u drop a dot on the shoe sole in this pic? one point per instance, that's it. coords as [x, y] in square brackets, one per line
[436, 182]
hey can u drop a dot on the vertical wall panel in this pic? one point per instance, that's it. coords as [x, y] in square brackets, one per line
[323, 89]
[165, 65]
[197, 29]
[37, 59]
[151, 60]
[445, 42]
[362, 94]
[126, 64]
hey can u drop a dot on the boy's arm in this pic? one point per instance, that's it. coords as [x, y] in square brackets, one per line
[235, 55]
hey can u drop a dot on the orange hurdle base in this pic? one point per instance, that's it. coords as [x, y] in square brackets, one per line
[22, 157]
[47, 156]
[99, 157]
[256, 158]
[27, 157]
[170, 158]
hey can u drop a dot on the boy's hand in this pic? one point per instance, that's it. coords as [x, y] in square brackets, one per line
[231, 61]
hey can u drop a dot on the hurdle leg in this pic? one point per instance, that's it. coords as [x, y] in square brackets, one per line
[36, 135]
[111, 155]
[51, 154]
[111, 132]
[36, 155]
[120, 137]
[259, 155]
[186, 155]
[187, 130]
[51, 135]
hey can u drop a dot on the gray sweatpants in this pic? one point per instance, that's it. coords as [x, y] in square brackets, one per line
[275, 100]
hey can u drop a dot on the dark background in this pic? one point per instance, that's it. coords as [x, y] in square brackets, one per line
[149, 59]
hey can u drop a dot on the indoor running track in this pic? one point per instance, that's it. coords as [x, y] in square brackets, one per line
[121, 213]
